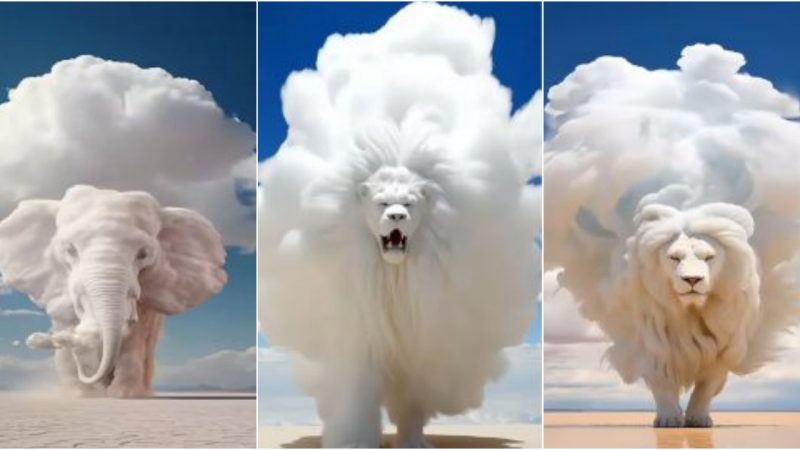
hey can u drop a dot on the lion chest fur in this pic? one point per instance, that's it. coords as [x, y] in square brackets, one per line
[392, 318]
[678, 344]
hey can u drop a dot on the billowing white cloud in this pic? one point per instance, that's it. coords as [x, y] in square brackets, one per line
[225, 369]
[513, 398]
[564, 323]
[117, 125]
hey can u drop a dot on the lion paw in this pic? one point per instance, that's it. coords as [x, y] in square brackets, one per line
[668, 421]
[419, 442]
[699, 421]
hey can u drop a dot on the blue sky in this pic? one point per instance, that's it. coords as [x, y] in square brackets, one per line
[652, 35]
[213, 43]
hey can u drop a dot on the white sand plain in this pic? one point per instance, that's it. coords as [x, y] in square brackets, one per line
[634, 430]
[519, 435]
[179, 420]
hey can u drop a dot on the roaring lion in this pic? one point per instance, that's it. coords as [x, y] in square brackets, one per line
[408, 275]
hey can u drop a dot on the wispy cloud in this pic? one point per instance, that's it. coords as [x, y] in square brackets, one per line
[224, 370]
[17, 373]
[229, 370]
[21, 312]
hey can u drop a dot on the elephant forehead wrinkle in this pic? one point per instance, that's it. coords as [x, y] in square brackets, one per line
[128, 211]
[114, 226]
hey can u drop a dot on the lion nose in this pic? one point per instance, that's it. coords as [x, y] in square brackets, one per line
[692, 280]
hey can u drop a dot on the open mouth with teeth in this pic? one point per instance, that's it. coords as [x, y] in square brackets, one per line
[394, 241]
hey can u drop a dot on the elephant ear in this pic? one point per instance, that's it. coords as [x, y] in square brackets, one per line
[25, 260]
[189, 268]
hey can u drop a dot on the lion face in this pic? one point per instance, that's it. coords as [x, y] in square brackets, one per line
[692, 265]
[393, 200]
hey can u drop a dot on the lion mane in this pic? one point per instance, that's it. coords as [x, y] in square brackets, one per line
[654, 335]
[433, 326]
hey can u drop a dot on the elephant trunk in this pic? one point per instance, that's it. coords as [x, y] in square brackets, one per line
[107, 300]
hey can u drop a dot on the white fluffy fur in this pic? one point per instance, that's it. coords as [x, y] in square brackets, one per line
[421, 337]
[675, 341]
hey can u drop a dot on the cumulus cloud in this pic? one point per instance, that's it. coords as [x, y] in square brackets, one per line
[117, 125]
[564, 323]
[703, 132]
[232, 370]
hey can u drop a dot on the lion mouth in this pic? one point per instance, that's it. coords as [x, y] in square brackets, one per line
[394, 241]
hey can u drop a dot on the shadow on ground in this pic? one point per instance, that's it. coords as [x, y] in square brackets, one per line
[436, 441]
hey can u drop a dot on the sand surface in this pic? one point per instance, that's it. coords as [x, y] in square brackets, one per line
[633, 429]
[521, 435]
[180, 420]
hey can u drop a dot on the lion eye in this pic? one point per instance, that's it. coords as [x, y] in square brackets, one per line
[675, 258]
[384, 204]
[407, 205]
[708, 258]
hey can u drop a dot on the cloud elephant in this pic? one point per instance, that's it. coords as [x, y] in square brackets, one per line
[107, 266]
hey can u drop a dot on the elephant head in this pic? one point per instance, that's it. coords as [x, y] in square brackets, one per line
[100, 254]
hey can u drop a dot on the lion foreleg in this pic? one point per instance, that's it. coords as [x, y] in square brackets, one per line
[409, 417]
[668, 407]
[698, 413]
[351, 406]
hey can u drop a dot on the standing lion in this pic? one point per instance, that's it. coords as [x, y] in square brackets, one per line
[397, 247]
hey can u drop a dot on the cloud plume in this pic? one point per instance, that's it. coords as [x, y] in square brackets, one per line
[120, 126]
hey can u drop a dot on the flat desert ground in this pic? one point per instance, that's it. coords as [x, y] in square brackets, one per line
[179, 420]
[633, 429]
[523, 435]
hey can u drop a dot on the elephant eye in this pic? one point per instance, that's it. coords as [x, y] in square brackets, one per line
[70, 249]
[141, 255]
